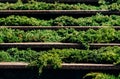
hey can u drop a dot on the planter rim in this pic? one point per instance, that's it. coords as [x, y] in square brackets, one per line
[86, 12]
[54, 45]
[14, 65]
[58, 27]
[84, 66]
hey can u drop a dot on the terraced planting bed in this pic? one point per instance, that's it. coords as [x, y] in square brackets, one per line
[77, 35]
[95, 20]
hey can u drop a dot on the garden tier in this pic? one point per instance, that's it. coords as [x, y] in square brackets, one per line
[33, 5]
[95, 20]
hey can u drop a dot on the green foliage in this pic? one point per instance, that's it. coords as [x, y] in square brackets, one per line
[53, 58]
[114, 6]
[106, 2]
[20, 21]
[47, 59]
[41, 36]
[97, 75]
[103, 35]
[118, 62]
[95, 20]
[5, 57]
[22, 55]
[10, 35]
[34, 5]
[65, 21]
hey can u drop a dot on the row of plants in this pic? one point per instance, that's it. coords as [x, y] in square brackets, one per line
[97, 75]
[33, 5]
[62, 35]
[55, 57]
[108, 1]
[103, 35]
[95, 20]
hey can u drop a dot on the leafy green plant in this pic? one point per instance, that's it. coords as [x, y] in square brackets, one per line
[55, 57]
[65, 21]
[106, 2]
[114, 6]
[5, 57]
[95, 20]
[34, 5]
[48, 59]
[103, 35]
[27, 55]
[98, 75]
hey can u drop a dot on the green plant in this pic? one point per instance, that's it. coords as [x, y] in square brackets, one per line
[98, 75]
[95, 20]
[114, 6]
[103, 35]
[5, 57]
[48, 59]
[34, 5]
[27, 55]
[106, 2]
[55, 57]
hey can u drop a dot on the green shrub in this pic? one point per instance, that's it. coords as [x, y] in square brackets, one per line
[55, 57]
[69, 35]
[94, 75]
[5, 57]
[34, 5]
[95, 20]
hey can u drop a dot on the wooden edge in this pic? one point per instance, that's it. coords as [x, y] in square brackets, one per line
[90, 66]
[54, 45]
[68, 1]
[86, 12]
[58, 27]
[40, 45]
[13, 65]
[99, 45]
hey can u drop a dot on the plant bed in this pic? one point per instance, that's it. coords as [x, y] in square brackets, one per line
[57, 12]
[99, 75]
[108, 57]
[103, 35]
[33, 5]
[95, 20]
